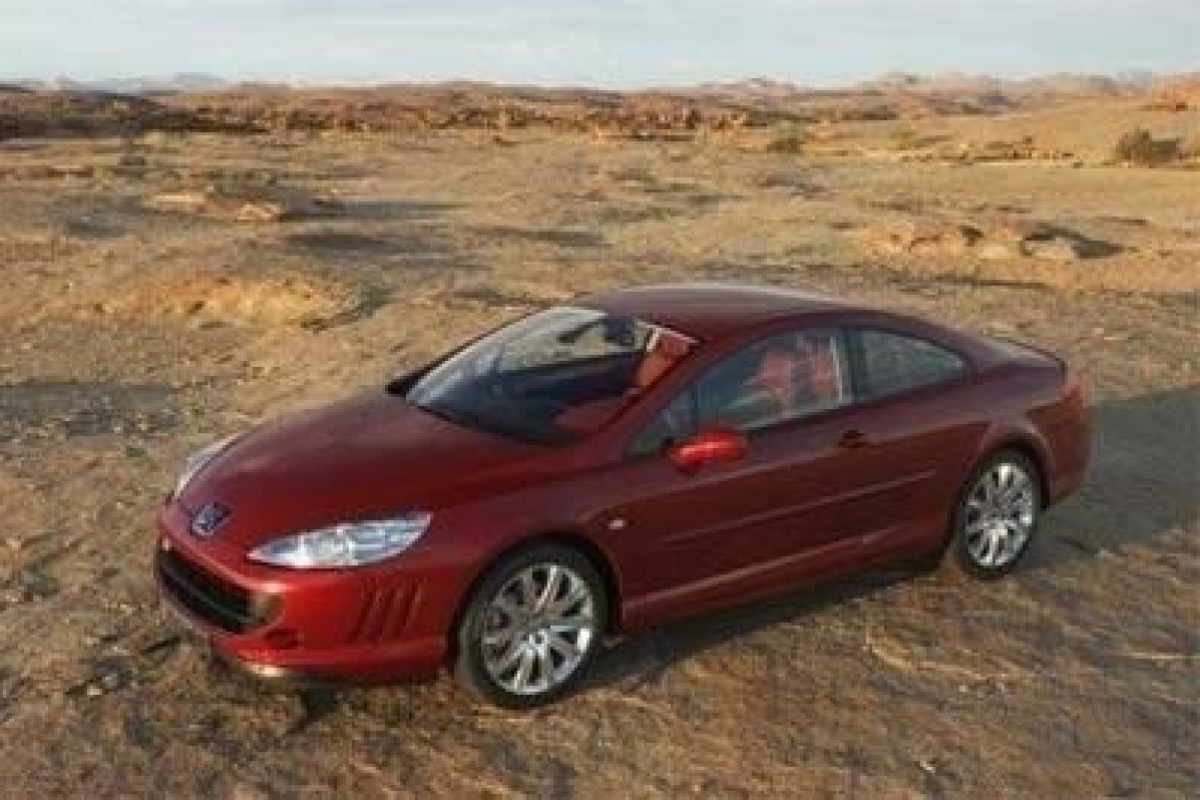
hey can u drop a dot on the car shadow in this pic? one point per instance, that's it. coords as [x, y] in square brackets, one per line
[646, 656]
[1143, 482]
[1144, 478]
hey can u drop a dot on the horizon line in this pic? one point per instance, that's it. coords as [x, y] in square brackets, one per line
[218, 80]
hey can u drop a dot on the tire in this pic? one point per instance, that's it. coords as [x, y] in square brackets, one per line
[519, 647]
[997, 515]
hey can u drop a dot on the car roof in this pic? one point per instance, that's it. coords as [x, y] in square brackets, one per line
[712, 310]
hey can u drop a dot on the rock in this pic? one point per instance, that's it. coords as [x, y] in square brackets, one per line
[155, 139]
[1056, 249]
[926, 236]
[265, 211]
[1054, 243]
[35, 585]
[242, 791]
[264, 201]
[1008, 239]
[189, 202]
[997, 251]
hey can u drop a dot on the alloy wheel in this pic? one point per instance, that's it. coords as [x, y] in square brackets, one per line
[1001, 511]
[538, 628]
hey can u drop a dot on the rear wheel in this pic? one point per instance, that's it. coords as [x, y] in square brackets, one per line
[532, 627]
[997, 515]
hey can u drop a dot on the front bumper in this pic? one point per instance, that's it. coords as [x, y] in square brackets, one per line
[365, 625]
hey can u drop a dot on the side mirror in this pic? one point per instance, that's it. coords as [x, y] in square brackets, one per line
[708, 447]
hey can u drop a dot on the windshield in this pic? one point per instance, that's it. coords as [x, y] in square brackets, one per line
[555, 376]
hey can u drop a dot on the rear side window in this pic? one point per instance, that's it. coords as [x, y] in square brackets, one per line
[893, 362]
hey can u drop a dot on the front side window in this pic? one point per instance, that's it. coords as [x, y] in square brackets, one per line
[776, 380]
[672, 425]
[557, 375]
[893, 362]
[782, 378]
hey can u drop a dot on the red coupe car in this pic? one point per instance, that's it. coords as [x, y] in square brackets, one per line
[600, 467]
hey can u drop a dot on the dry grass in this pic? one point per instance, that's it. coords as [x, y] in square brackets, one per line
[134, 335]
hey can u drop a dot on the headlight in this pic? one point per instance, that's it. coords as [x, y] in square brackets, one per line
[196, 462]
[350, 544]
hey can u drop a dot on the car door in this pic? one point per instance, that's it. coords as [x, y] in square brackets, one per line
[913, 434]
[698, 536]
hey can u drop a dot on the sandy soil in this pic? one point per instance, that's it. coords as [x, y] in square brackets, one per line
[133, 335]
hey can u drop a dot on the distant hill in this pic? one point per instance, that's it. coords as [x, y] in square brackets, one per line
[193, 101]
[1178, 90]
[179, 82]
[1055, 85]
[752, 87]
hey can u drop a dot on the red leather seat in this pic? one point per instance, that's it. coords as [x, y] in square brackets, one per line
[804, 379]
[664, 350]
[822, 374]
[652, 367]
[660, 356]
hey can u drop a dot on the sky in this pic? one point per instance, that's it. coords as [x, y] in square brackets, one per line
[620, 43]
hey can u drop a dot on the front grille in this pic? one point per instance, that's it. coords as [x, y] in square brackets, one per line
[211, 598]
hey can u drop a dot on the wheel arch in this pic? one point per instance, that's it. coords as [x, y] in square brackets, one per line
[1027, 447]
[1017, 442]
[1024, 446]
[563, 538]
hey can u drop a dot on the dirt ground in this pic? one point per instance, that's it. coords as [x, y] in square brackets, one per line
[134, 331]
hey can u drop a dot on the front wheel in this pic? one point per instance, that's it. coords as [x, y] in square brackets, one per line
[531, 627]
[997, 515]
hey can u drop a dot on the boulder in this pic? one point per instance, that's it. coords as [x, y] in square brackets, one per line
[928, 236]
[259, 203]
[1006, 239]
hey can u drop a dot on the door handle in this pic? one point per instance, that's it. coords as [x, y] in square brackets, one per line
[852, 440]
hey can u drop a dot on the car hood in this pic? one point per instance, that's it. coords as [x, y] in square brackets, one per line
[368, 457]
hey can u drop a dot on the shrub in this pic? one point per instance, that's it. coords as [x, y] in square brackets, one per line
[906, 138]
[1138, 146]
[1190, 148]
[789, 138]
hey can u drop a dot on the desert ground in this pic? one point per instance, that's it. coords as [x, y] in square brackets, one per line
[163, 289]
